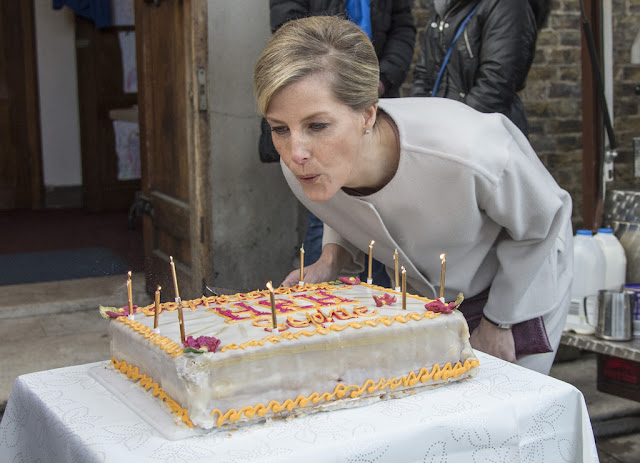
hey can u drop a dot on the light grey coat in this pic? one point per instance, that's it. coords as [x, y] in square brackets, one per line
[468, 185]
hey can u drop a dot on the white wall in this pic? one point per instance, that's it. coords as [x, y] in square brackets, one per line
[256, 236]
[59, 120]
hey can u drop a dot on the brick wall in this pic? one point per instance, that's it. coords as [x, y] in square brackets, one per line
[553, 97]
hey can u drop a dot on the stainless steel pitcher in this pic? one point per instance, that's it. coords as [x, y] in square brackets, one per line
[615, 314]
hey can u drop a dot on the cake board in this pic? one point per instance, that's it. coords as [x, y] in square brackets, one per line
[142, 402]
[154, 411]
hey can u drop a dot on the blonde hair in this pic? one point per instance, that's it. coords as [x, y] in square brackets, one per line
[319, 45]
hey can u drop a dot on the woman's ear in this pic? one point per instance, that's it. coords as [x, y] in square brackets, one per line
[369, 114]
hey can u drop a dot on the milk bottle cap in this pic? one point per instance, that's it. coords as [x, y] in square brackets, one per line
[584, 232]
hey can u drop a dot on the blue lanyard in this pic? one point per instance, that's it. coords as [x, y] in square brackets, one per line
[448, 55]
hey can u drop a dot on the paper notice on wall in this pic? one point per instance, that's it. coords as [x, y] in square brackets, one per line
[128, 51]
[122, 13]
[128, 149]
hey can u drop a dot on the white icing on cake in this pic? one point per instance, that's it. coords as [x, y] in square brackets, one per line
[378, 343]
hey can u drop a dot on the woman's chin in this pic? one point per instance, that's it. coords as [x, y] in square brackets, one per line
[316, 194]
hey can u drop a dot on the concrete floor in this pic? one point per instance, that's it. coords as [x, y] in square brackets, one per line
[52, 325]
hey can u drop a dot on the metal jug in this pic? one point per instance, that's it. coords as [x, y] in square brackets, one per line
[615, 314]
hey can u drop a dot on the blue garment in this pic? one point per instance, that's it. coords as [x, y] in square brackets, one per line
[313, 249]
[99, 11]
[359, 12]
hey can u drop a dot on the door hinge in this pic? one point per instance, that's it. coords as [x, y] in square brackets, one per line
[201, 74]
[142, 205]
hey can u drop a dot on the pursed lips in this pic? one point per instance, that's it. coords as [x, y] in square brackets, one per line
[307, 178]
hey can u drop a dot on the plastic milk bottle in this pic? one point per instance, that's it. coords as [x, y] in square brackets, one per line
[588, 279]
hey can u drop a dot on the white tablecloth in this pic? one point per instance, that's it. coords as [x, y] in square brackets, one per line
[504, 414]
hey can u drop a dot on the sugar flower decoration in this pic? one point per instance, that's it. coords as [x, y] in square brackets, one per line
[350, 280]
[112, 312]
[386, 299]
[438, 306]
[201, 345]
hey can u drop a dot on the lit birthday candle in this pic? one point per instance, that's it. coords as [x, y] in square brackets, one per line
[272, 298]
[301, 282]
[369, 277]
[404, 289]
[177, 299]
[130, 295]
[157, 311]
[395, 263]
[442, 272]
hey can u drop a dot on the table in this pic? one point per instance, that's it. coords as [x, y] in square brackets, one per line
[628, 350]
[504, 413]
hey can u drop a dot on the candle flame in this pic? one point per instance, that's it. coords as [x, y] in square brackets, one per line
[159, 288]
[269, 286]
[302, 248]
[129, 273]
[442, 257]
[372, 243]
[403, 269]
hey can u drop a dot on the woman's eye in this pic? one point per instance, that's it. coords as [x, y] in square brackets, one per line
[318, 126]
[279, 130]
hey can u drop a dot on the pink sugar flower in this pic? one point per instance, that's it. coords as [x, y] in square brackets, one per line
[350, 280]
[201, 344]
[386, 299]
[440, 307]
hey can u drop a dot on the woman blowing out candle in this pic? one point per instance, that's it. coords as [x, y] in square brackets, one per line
[421, 175]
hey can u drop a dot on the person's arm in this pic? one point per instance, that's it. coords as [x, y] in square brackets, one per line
[508, 43]
[333, 259]
[419, 84]
[397, 53]
[495, 341]
[281, 11]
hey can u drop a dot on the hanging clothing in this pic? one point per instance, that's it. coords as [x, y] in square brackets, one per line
[99, 11]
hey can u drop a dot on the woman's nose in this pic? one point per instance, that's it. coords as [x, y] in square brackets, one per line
[299, 149]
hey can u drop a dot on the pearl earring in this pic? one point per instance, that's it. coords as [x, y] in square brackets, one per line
[367, 132]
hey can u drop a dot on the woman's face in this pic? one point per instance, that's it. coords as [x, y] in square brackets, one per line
[319, 138]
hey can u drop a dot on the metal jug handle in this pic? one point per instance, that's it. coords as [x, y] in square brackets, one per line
[586, 312]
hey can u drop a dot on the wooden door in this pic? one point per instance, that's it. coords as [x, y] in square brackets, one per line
[20, 155]
[171, 47]
[100, 92]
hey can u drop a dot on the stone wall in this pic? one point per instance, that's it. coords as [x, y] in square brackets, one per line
[553, 95]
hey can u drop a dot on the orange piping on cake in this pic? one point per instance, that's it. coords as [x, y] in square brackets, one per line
[147, 382]
[352, 391]
[170, 347]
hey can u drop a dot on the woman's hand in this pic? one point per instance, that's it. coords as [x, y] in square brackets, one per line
[495, 341]
[331, 261]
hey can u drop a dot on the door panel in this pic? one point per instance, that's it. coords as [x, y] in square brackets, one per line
[171, 42]
[100, 90]
[20, 156]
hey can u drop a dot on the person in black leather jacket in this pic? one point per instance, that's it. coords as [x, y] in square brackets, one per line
[491, 58]
[393, 32]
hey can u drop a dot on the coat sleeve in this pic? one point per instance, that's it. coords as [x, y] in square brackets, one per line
[508, 44]
[397, 53]
[535, 214]
[419, 83]
[330, 236]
